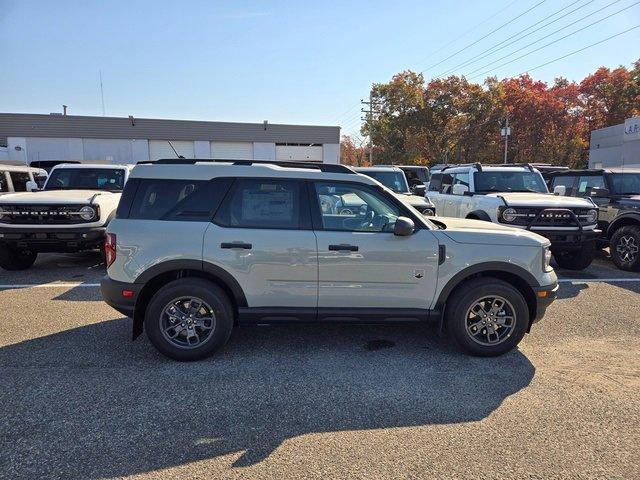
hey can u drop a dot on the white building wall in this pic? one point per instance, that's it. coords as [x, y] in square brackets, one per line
[139, 150]
[264, 151]
[111, 150]
[201, 149]
[41, 148]
[19, 155]
[331, 153]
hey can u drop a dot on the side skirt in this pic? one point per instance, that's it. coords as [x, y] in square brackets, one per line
[335, 315]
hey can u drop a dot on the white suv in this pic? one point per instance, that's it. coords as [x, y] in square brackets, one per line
[199, 246]
[70, 214]
[517, 196]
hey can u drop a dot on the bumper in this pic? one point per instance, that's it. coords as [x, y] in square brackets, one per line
[544, 296]
[568, 238]
[112, 293]
[52, 239]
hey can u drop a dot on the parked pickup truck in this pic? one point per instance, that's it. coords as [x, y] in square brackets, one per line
[70, 214]
[517, 196]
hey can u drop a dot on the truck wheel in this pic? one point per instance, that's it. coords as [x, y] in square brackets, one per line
[625, 248]
[12, 259]
[486, 317]
[576, 259]
[189, 319]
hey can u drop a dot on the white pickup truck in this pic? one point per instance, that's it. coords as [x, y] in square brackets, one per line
[517, 196]
[70, 214]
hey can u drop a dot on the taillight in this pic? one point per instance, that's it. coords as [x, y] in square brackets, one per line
[110, 248]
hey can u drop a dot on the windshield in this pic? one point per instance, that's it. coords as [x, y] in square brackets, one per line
[625, 183]
[86, 179]
[504, 181]
[395, 181]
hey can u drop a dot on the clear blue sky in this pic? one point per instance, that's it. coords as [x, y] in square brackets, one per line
[285, 61]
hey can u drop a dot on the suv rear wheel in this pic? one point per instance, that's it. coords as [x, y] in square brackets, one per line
[486, 317]
[577, 259]
[13, 259]
[189, 319]
[625, 248]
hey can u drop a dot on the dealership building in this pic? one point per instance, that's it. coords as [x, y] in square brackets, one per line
[26, 138]
[616, 146]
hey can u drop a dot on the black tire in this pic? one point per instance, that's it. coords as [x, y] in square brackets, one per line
[212, 295]
[577, 259]
[457, 318]
[624, 245]
[14, 259]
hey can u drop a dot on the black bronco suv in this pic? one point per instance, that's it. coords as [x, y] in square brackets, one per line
[616, 191]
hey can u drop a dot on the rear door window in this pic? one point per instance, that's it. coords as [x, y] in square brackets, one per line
[435, 183]
[587, 182]
[264, 203]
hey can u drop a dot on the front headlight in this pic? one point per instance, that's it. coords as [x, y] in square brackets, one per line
[546, 260]
[592, 216]
[87, 213]
[509, 215]
[428, 212]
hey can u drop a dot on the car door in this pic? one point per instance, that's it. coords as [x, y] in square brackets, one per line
[433, 192]
[461, 205]
[262, 236]
[361, 263]
[449, 200]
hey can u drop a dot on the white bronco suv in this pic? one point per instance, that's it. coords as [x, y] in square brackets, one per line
[70, 214]
[198, 246]
[517, 196]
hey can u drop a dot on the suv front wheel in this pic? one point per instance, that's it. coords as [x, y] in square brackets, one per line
[575, 259]
[189, 319]
[486, 317]
[12, 259]
[625, 248]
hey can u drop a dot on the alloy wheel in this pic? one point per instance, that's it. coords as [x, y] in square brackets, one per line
[490, 320]
[187, 322]
[627, 248]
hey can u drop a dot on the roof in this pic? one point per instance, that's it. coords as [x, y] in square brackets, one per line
[378, 168]
[106, 166]
[595, 171]
[75, 126]
[20, 168]
[208, 169]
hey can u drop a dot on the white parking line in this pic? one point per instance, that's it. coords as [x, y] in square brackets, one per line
[49, 285]
[597, 280]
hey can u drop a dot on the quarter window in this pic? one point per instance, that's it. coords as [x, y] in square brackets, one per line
[178, 200]
[262, 203]
[355, 208]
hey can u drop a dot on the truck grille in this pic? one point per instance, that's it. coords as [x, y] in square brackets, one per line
[550, 217]
[41, 214]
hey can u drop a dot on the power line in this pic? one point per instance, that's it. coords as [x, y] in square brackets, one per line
[580, 50]
[483, 37]
[545, 45]
[489, 51]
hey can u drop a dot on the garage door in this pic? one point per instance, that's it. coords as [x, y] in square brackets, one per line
[232, 150]
[299, 152]
[161, 149]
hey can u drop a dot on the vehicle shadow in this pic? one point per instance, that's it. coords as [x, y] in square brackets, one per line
[88, 403]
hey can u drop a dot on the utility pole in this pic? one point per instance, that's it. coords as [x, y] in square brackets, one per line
[505, 132]
[369, 120]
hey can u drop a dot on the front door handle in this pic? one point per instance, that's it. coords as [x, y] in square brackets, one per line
[343, 247]
[242, 245]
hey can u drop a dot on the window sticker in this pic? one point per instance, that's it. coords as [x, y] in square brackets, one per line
[267, 206]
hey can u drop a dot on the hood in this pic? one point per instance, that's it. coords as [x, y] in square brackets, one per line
[53, 196]
[413, 200]
[547, 200]
[479, 232]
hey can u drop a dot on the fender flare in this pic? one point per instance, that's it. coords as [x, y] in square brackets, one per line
[212, 270]
[613, 226]
[480, 214]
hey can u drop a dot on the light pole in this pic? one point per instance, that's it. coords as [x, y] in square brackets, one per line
[505, 132]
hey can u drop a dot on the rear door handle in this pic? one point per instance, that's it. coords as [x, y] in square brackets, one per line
[343, 247]
[242, 245]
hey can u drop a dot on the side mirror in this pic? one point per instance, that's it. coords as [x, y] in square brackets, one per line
[459, 189]
[560, 190]
[32, 186]
[598, 192]
[419, 190]
[404, 227]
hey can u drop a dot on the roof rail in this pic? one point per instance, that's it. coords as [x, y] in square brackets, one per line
[323, 167]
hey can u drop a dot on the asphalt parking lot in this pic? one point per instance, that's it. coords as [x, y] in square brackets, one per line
[80, 400]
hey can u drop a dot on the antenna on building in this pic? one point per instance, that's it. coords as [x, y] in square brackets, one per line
[64, 110]
[102, 93]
